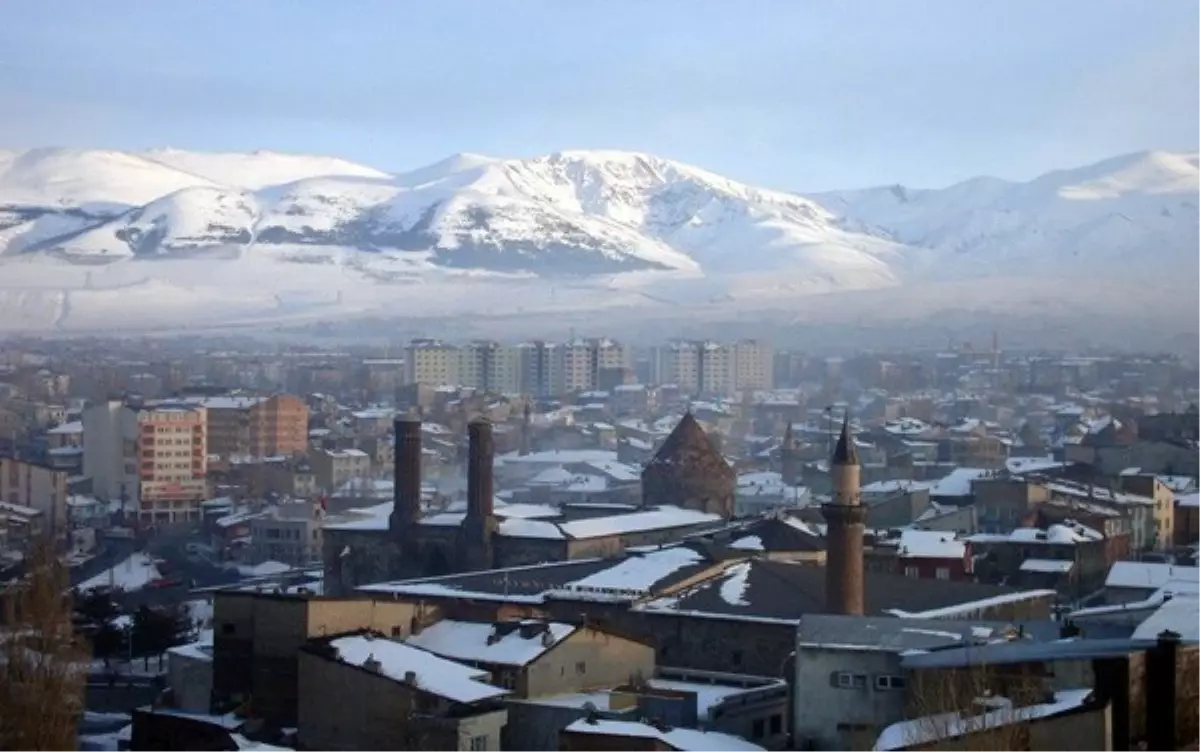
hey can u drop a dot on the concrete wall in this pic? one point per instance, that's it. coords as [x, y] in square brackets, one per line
[587, 659]
[256, 638]
[821, 708]
[191, 680]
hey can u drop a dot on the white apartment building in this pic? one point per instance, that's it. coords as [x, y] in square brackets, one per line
[754, 365]
[701, 367]
[110, 433]
[584, 359]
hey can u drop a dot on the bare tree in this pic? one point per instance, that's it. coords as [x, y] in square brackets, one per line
[43, 665]
[978, 707]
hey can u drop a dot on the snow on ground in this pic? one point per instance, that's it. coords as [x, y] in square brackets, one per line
[733, 588]
[131, 574]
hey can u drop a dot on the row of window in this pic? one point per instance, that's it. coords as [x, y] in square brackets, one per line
[851, 680]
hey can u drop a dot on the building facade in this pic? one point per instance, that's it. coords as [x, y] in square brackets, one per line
[172, 461]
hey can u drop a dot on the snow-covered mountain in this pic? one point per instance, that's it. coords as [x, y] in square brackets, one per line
[1120, 214]
[617, 227]
[568, 214]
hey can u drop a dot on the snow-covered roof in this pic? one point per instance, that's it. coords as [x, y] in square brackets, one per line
[897, 485]
[1048, 566]
[1147, 575]
[133, 573]
[1067, 532]
[958, 482]
[634, 575]
[1022, 465]
[1180, 615]
[1189, 500]
[426, 671]
[558, 457]
[677, 738]
[748, 543]
[67, 429]
[930, 544]
[504, 644]
[656, 519]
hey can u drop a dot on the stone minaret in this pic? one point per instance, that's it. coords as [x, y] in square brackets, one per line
[790, 463]
[526, 439]
[406, 479]
[845, 517]
[479, 526]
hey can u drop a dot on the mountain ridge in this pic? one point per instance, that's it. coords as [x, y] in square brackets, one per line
[621, 227]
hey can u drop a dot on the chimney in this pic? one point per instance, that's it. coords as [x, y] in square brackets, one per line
[410, 678]
[372, 664]
[480, 454]
[406, 492]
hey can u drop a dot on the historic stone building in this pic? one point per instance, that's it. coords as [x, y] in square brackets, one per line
[405, 544]
[690, 472]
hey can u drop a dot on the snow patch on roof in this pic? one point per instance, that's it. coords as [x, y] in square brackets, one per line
[430, 673]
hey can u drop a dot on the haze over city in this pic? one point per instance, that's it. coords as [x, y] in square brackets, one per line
[599, 375]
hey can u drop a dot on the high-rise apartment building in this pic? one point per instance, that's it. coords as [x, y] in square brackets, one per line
[541, 368]
[584, 359]
[255, 426]
[754, 365]
[701, 367]
[432, 362]
[172, 461]
[110, 435]
[490, 366]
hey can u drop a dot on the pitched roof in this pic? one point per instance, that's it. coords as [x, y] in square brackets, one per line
[766, 590]
[686, 444]
[845, 453]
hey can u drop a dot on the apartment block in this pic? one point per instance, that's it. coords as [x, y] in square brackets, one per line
[541, 368]
[36, 486]
[333, 468]
[490, 366]
[255, 426]
[705, 367]
[584, 359]
[172, 461]
[432, 362]
[110, 459]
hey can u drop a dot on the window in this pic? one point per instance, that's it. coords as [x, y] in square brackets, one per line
[736, 657]
[758, 729]
[777, 724]
[227, 629]
[943, 573]
[913, 572]
[884, 682]
[478, 743]
[396, 632]
[849, 680]
[581, 667]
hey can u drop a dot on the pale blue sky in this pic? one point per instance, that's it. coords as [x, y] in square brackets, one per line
[794, 94]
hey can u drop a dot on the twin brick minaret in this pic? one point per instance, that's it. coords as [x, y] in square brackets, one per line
[479, 526]
[845, 517]
[474, 545]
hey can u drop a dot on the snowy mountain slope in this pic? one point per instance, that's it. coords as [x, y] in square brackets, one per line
[572, 213]
[101, 181]
[96, 236]
[257, 169]
[1104, 215]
